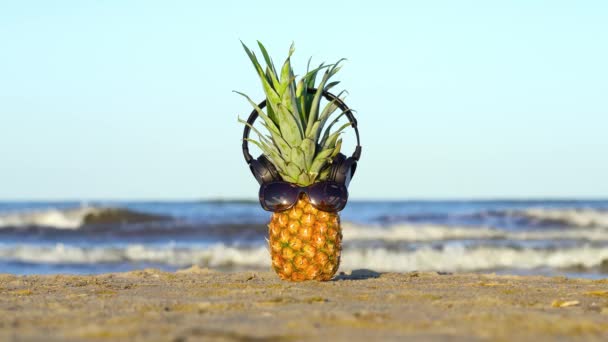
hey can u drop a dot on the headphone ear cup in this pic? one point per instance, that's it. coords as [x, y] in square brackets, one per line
[256, 170]
[347, 170]
[343, 169]
[264, 171]
[336, 163]
[273, 174]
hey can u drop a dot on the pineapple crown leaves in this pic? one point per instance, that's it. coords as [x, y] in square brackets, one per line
[295, 120]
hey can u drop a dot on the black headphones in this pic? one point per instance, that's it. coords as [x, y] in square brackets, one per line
[342, 168]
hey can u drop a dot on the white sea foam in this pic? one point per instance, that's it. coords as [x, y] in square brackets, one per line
[214, 256]
[568, 217]
[588, 223]
[56, 218]
[73, 219]
[449, 258]
[459, 258]
[405, 232]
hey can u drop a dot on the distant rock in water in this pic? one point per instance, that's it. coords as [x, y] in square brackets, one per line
[117, 215]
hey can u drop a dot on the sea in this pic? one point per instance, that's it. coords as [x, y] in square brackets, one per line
[539, 237]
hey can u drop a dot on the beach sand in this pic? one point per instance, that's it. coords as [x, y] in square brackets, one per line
[202, 305]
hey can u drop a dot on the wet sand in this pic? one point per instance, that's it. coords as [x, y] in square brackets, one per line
[202, 305]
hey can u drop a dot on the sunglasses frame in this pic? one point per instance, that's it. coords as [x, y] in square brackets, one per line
[302, 189]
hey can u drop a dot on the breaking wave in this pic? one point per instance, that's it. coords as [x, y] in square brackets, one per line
[460, 258]
[404, 232]
[529, 217]
[96, 220]
[214, 256]
[534, 217]
[447, 258]
[566, 217]
[75, 218]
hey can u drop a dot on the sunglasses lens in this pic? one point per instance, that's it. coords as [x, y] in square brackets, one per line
[278, 196]
[328, 196]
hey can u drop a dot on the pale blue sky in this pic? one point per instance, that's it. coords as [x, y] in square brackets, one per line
[456, 99]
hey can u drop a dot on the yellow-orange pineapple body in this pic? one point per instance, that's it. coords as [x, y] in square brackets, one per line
[305, 243]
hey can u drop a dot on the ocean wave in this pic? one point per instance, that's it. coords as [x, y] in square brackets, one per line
[411, 232]
[528, 217]
[460, 258]
[214, 256]
[75, 218]
[72, 225]
[448, 258]
[405, 232]
[571, 217]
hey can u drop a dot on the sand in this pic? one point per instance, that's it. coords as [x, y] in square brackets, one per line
[202, 305]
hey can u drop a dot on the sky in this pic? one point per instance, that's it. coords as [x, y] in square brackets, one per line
[455, 99]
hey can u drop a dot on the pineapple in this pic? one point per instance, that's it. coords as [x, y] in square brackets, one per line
[304, 242]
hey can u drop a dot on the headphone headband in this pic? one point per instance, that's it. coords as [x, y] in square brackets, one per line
[330, 97]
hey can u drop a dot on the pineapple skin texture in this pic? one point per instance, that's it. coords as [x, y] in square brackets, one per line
[305, 243]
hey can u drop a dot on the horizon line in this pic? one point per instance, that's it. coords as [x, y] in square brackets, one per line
[388, 199]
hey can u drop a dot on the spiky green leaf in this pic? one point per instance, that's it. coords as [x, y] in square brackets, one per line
[295, 120]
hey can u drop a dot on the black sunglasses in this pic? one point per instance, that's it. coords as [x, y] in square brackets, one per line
[325, 196]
